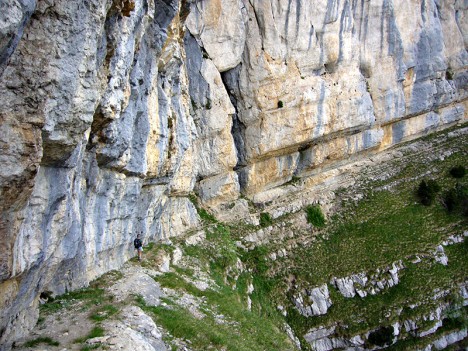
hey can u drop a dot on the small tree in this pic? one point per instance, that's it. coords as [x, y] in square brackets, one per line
[427, 191]
[450, 199]
[456, 199]
[458, 171]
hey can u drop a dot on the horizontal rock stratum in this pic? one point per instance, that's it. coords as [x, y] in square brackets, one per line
[113, 112]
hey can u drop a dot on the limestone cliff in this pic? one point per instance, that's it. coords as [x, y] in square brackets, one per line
[114, 111]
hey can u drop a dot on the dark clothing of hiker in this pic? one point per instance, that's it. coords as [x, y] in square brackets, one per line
[137, 243]
[138, 246]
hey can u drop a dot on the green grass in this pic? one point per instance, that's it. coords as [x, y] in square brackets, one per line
[226, 253]
[96, 332]
[41, 340]
[363, 314]
[174, 281]
[93, 299]
[242, 329]
[412, 343]
[205, 216]
[257, 329]
[385, 227]
[256, 259]
[92, 296]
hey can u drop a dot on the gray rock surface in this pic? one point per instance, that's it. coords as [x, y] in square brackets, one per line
[146, 286]
[15, 15]
[324, 339]
[449, 339]
[365, 283]
[315, 301]
[136, 332]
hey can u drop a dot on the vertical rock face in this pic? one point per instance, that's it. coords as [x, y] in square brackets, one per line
[330, 79]
[113, 111]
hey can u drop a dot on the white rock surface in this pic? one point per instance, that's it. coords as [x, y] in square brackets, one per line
[440, 255]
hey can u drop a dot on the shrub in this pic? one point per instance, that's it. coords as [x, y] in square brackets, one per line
[458, 172]
[294, 180]
[90, 347]
[382, 336]
[456, 199]
[315, 215]
[92, 296]
[427, 191]
[449, 74]
[450, 200]
[280, 104]
[206, 216]
[265, 219]
[226, 254]
[256, 259]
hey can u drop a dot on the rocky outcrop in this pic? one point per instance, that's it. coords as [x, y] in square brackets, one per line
[362, 284]
[15, 15]
[326, 338]
[137, 332]
[114, 111]
[313, 302]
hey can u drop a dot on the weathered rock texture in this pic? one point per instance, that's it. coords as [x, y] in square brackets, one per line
[113, 111]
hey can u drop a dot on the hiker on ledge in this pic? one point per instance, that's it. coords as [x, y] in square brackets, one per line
[138, 246]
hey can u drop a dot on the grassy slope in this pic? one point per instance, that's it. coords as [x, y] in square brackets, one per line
[384, 227]
[241, 329]
[387, 225]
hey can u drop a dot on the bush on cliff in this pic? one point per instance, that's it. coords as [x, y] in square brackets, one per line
[427, 191]
[458, 171]
[265, 219]
[315, 216]
[456, 199]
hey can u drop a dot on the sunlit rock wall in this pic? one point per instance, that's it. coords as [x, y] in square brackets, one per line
[323, 80]
[113, 111]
